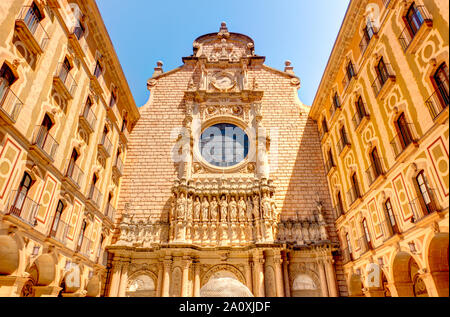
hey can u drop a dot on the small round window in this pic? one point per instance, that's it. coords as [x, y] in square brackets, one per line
[224, 145]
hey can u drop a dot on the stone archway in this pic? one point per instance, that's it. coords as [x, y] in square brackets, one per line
[407, 278]
[224, 284]
[437, 256]
[141, 285]
[304, 286]
[9, 255]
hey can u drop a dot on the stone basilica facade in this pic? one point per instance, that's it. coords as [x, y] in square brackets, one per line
[190, 224]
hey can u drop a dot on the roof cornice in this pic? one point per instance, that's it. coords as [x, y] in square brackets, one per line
[355, 11]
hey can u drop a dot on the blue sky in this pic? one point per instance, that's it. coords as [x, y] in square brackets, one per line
[145, 31]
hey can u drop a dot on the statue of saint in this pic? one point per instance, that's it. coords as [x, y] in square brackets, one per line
[256, 206]
[214, 208]
[181, 206]
[190, 204]
[249, 208]
[242, 208]
[205, 209]
[197, 208]
[233, 209]
[265, 202]
[223, 209]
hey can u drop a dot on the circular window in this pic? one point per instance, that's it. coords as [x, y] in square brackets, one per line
[224, 145]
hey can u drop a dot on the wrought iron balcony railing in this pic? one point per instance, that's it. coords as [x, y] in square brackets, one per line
[382, 78]
[329, 164]
[364, 245]
[374, 171]
[338, 211]
[59, 231]
[418, 18]
[63, 74]
[368, 34]
[110, 212]
[347, 256]
[342, 143]
[31, 31]
[44, 141]
[75, 173]
[95, 196]
[88, 117]
[424, 205]
[106, 145]
[402, 140]
[438, 101]
[22, 207]
[85, 247]
[118, 166]
[10, 104]
[358, 118]
[353, 194]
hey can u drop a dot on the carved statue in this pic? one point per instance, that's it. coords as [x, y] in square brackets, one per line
[265, 202]
[205, 209]
[190, 204]
[323, 233]
[298, 234]
[256, 206]
[249, 209]
[223, 209]
[214, 208]
[181, 206]
[242, 208]
[305, 231]
[197, 208]
[233, 209]
[273, 210]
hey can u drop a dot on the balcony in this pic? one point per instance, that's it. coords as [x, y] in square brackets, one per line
[44, 144]
[95, 197]
[75, 37]
[60, 233]
[368, 34]
[364, 245]
[412, 37]
[22, 208]
[10, 105]
[105, 146]
[374, 173]
[97, 81]
[338, 211]
[124, 134]
[388, 230]
[437, 103]
[85, 247]
[403, 144]
[360, 120]
[118, 167]
[30, 31]
[353, 195]
[88, 119]
[347, 256]
[348, 79]
[333, 110]
[64, 82]
[383, 82]
[343, 145]
[323, 135]
[110, 212]
[422, 207]
[74, 175]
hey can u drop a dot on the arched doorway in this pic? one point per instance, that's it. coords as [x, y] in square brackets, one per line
[304, 286]
[407, 279]
[224, 284]
[141, 286]
[438, 262]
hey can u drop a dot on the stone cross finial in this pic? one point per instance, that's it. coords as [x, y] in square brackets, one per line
[288, 68]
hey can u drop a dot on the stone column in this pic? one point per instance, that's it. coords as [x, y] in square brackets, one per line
[429, 284]
[166, 279]
[115, 279]
[331, 278]
[248, 275]
[185, 264]
[287, 289]
[278, 275]
[160, 280]
[196, 279]
[258, 275]
[323, 278]
[123, 279]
